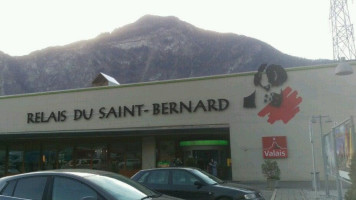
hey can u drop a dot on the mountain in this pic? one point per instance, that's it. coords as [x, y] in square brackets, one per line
[150, 49]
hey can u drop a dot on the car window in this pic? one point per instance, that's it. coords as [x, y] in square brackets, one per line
[158, 177]
[206, 177]
[69, 189]
[121, 187]
[30, 188]
[143, 178]
[180, 177]
[9, 188]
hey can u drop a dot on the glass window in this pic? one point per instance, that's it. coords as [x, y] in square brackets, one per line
[91, 157]
[9, 189]
[133, 155]
[65, 157]
[117, 157]
[143, 177]
[23, 158]
[32, 159]
[206, 177]
[83, 155]
[167, 153]
[125, 157]
[16, 161]
[30, 188]
[122, 187]
[180, 177]
[100, 157]
[2, 160]
[49, 157]
[69, 189]
[158, 177]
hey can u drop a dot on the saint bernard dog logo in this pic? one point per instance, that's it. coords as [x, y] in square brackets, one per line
[274, 147]
[280, 106]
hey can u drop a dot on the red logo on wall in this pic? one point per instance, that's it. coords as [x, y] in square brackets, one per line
[274, 147]
[287, 110]
[281, 106]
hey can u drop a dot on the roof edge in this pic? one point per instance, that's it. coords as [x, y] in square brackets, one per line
[313, 67]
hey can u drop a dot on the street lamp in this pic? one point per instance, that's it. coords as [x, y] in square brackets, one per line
[311, 136]
[316, 119]
[343, 68]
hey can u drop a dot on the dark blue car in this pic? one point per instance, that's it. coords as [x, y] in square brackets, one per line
[193, 184]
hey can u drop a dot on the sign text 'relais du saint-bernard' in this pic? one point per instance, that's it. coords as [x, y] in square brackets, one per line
[135, 110]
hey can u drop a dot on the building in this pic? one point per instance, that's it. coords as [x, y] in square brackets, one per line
[229, 118]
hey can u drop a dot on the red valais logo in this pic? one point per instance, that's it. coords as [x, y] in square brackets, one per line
[274, 147]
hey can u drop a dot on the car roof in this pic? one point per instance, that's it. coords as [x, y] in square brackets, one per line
[70, 172]
[170, 168]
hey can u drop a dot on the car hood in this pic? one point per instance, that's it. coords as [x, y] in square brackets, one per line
[235, 186]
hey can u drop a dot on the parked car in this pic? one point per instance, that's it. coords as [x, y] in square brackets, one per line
[71, 184]
[191, 183]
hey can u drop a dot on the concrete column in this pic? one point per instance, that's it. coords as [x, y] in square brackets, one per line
[148, 152]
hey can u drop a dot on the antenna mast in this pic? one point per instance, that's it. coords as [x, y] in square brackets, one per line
[342, 31]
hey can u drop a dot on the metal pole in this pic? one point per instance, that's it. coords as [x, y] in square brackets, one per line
[338, 183]
[353, 135]
[324, 158]
[311, 134]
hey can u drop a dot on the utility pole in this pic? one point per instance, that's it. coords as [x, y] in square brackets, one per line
[342, 31]
[319, 119]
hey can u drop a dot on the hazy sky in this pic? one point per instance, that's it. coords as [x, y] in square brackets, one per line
[296, 27]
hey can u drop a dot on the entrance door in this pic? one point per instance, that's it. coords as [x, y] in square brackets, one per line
[203, 157]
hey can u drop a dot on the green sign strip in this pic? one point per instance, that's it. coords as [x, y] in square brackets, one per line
[204, 143]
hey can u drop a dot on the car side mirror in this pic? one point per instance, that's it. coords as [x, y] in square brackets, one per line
[198, 184]
[89, 198]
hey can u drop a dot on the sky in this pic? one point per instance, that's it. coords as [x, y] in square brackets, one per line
[295, 27]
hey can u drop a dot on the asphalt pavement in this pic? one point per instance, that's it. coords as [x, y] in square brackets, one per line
[295, 190]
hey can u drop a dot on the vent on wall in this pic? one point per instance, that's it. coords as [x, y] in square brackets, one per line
[104, 80]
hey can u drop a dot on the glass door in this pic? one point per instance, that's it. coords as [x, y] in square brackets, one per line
[203, 157]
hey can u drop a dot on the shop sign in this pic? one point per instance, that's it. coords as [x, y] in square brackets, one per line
[274, 147]
[134, 110]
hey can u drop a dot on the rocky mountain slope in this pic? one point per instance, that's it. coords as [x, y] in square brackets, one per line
[153, 48]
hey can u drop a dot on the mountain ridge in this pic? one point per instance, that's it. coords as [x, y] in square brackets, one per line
[152, 48]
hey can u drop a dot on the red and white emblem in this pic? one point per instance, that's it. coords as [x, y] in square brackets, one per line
[274, 147]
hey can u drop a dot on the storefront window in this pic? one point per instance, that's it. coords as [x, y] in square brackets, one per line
[117, 159]
[2, 160]
[32, 158]
[49, 157]
[83, 156]
[100, 157]
[16, 160]
[91, 157]
[23, 158]
[167, 153]
[133, 156]
[65, 157]
[125, 157]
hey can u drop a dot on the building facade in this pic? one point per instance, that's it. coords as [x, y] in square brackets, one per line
[239, 120]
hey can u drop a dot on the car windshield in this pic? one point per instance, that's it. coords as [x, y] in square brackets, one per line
[121, 187]
[206, 177]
